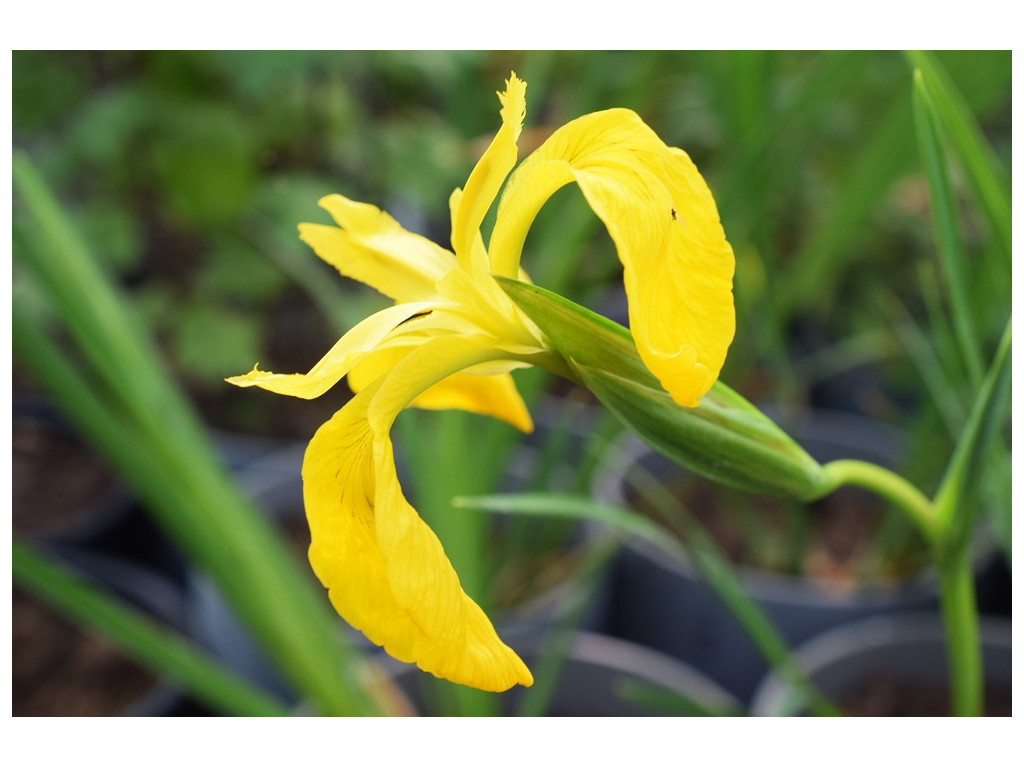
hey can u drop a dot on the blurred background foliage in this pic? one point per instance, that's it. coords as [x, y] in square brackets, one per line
[187, 173]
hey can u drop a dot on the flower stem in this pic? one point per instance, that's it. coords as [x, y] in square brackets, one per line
[889, 486]
[956, 585]
[960, 616]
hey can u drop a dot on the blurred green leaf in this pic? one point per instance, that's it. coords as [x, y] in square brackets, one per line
[956, 502]
[984, 171]
[125, 396]
[947, 227]
[919, 347]
[576, 508]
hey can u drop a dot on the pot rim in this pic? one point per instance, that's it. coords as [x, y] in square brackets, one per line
[849, 641]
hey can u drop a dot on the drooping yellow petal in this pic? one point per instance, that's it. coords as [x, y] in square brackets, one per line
[385, 569]
[486, 394]
[351, 348]
[373, 248]
[678, 266]
[489, 174]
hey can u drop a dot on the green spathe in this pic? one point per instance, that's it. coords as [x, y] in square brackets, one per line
[725, 438]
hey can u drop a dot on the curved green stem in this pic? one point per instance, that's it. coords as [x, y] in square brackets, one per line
[956, 585]
[888, 485]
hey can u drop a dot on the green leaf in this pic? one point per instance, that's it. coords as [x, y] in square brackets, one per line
[574, 507]
[139, 636]
[956, 502]
[984, 171]
[725, 438]
[947, 227]
[921, 350]
[134, 412]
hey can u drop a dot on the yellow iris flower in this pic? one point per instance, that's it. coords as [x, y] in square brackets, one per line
[451, 339]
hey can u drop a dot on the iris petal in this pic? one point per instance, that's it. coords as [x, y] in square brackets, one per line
[386, 571]
[350, 349]
[678, 266]
[373, 248]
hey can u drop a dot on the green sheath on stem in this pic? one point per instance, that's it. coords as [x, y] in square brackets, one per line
[725, 438]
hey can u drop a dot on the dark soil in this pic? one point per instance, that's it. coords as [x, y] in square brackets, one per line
[42, 506]
[882, 697]
[60, 671]
[838, 541]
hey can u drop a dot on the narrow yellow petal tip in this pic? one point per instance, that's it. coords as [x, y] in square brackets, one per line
[248, 379]
[513, 104]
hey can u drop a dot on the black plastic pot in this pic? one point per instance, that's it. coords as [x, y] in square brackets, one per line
[63, 493]
[598, 676]
[108, 517]
[660, 601]
[891, 665]
[145, 589]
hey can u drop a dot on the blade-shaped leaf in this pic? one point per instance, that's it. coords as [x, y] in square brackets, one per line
[984, 171]
[133, 402]
[956, 501]
[575, 507]
[947, 226]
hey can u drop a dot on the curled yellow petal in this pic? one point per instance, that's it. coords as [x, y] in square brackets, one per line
[370, 246]
[386, 572]
[352, 347]
[678, 266]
